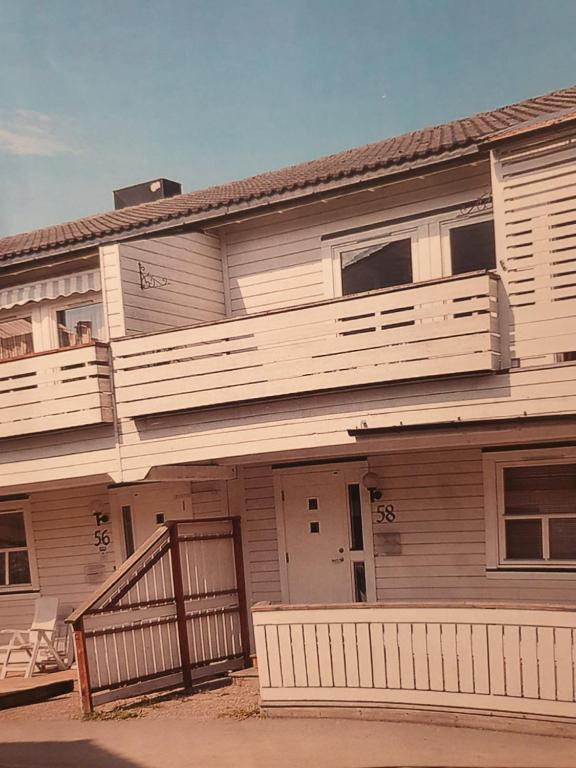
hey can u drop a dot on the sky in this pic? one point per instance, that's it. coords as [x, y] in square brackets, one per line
[100, 94]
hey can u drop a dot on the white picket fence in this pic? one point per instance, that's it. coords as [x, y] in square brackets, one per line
[481, 658]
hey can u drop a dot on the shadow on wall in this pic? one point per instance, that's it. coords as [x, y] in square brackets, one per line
[60, 754]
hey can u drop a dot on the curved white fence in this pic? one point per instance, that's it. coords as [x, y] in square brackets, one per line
[489, 658]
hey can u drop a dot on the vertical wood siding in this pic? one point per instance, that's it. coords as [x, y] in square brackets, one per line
[112, 290]
[194, 293]
[277, 262]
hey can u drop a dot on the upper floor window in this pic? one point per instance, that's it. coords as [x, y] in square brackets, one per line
[472, 247]
[379, 266]
[80, 325]
[16, 337]
[14, 554]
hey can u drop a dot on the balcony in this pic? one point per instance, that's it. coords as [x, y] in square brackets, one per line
[55, 390]
[437, 328]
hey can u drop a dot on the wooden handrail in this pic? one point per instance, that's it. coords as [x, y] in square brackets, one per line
[44, 352]
[265, 606]
[319, 303]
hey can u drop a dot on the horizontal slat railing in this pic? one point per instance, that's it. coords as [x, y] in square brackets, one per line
[486, 659]
[173, 612]
[436, 328]
[55, 390]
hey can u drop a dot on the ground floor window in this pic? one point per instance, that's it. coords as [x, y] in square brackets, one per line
[531, 512]
[14, 549]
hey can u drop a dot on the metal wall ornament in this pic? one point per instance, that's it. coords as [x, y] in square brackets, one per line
[480, 205]
[148, 280]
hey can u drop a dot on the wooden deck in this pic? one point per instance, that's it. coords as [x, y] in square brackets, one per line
[17, 691]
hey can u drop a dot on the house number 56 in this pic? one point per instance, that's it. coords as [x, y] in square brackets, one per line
[386, 513]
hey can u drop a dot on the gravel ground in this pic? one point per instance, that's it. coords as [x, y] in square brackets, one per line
[229, 700]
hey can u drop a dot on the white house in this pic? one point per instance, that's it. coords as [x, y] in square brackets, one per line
[369, 360]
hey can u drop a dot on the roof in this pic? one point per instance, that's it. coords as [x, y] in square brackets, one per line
[428, 145]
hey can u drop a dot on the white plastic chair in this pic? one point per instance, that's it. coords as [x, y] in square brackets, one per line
[36, 642]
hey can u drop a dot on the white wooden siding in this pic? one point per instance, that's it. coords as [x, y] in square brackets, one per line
[534, 200]
[276, 261]
[69, 566]
[59, 457]
[447, 327]
[260, 538]
[194, 293]
[112, 290]
[438, 498]
[55, 390]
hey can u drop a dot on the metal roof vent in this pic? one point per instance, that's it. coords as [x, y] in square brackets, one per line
[146, 192]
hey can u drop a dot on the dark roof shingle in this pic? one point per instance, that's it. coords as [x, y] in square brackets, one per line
[353, 164]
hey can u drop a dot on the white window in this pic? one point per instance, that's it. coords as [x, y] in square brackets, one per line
[531, 510]
[468, 244]
[16, 559]
[370, 262]
[16, 337]
[48, 325]
[80, 325]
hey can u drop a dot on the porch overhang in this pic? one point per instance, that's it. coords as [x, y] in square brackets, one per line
[194, 472]
[476, 425]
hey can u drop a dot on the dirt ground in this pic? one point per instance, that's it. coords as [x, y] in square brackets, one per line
[237, 701]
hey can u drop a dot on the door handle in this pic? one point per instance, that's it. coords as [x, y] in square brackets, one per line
[337, 559]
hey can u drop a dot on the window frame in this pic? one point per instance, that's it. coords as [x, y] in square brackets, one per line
[44, 319]
[22, 506]
[23, 312]
[416, 233]
[455, 222]
[494, 464]
[69, 305]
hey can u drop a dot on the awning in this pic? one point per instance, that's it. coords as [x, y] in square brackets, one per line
[54, 288]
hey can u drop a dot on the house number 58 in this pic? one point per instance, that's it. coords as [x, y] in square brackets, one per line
[386, 513]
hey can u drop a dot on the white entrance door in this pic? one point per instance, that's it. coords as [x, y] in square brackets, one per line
[320, 553]
[144, 507]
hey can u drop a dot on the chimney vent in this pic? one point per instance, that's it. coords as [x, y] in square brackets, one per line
[146, 192]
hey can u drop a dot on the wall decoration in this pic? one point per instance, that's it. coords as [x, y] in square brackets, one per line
[148, 280]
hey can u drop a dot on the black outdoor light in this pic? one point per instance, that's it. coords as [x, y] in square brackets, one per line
[370, 481]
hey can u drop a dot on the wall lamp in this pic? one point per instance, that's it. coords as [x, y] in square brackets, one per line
[370, 481]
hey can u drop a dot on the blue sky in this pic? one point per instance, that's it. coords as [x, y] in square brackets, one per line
[96, 94]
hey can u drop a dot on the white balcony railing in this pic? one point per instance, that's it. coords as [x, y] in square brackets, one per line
[55, 390]
[437, 328]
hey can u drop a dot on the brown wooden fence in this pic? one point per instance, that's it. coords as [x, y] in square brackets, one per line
[173, 613]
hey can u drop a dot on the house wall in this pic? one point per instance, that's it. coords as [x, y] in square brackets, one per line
[277, 260]
[69, 565]
[191, 265]
[59, 457]
[438, 497]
